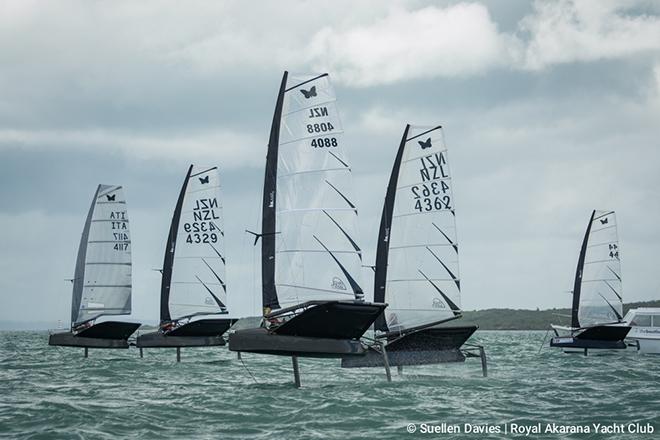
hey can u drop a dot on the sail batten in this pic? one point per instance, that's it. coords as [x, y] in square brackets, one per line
[310, 248]
[418, 277]
[194, 271]
[102, 282]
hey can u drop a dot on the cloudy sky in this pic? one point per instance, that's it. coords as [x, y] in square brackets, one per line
[550, 109]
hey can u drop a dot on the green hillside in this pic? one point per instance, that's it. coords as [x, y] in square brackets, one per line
[521, 319]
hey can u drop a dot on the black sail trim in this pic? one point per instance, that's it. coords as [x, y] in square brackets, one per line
[451, 274]
[615, 274]
[422, 134]
[168, 263]
[577, 286]
[222, 283]
[202, 172]
[305, 82]
[268, 213]
[217, 300]
[342, 196]
[218, 253]
[614, 290]
[353, 243]
[616, 313]
[454, 245]
[357, 290]
[337, 157]
[454, 308]
[383, 246]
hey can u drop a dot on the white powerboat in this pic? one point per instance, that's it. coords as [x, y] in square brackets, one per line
[644, 329]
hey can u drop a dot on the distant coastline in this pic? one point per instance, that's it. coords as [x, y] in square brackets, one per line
[487, 319]
[523, 319]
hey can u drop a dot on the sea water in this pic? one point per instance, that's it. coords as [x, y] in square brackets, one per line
[54, 392]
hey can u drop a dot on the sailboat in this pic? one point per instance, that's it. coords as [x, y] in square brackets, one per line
[416, 269]
[313, 303]
[102, 280]
[596, 314]
[193, 295]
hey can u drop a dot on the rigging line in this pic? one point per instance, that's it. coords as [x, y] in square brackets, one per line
[454, 245]
[604, 215]
[422, 134]
[543, 341]
[248, 370]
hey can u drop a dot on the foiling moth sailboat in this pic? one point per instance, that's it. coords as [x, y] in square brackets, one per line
[102, 280]
[193, 296]
[596, 314]
[416, 270]
[313, 302]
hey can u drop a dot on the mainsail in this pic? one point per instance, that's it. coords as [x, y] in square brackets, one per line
[102, 280]
[597, 293]
[193, 280]
[417, 255]
[309, 225]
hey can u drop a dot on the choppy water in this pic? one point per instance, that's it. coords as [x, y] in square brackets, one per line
[53, 392]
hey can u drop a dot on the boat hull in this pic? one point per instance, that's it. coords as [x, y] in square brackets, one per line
[599, 337]
[201, 333]
[328, 330]
[109, 334]
[262, 341]
[427, 346]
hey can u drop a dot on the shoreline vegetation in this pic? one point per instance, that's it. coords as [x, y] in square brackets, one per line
[487, 319]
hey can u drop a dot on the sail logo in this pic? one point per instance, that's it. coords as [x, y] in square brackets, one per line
[111, 198]
[204, 180]
[338, 284]
[308, 93]
[438, 304]
[271, 203]
[425, 144]
[209, 301]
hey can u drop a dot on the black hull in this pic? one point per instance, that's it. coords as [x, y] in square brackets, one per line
[110, 334]
[202, 333]
[607, 337]
[260, 340]
[328, 330]
[427, 346]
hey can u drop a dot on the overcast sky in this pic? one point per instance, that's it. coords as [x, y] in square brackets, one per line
[550, 110]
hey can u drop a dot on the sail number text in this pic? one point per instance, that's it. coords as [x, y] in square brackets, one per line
[434, 193]
[202, 228]
[119, 227]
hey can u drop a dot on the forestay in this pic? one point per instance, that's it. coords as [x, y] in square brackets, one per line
[313, 233]
[102, 281]
[194, 269]
[600, 290]
[417, 270]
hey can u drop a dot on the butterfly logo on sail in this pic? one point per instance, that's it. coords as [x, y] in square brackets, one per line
[425, 144]
[338, 284]
[308, 93]
[204, 180]
[111, 198]
[604, 221]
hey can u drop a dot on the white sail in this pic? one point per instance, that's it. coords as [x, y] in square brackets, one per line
[422, 284]
[601, 293]
[317, 256]
[102, 283]
[197, 285]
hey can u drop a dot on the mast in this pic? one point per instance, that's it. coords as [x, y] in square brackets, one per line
[268, 213]
[577, 286]
[383, 246]
[168, 262]
[79, 274]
